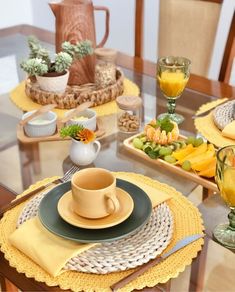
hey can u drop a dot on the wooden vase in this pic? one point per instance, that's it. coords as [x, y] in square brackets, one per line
[75, 23]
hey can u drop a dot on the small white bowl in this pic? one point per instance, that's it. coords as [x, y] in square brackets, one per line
[43, 125]
[89, 123]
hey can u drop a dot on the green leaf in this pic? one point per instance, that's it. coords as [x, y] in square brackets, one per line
[71, 131]
[166, 125]
[158, 123]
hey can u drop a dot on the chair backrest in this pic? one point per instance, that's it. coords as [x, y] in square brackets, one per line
[188, 28]
[199, 30]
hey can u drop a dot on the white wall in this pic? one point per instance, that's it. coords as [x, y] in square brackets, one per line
[41, 13]
[122, 24]
[122, 21]
[15, 12]
[151, 12]
[121, 34]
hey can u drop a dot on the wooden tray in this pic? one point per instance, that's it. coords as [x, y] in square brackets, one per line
[207, 183]
[22, 137]
[75, 95]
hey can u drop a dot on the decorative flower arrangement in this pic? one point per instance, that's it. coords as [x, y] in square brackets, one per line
[39, 62]
[78, 133]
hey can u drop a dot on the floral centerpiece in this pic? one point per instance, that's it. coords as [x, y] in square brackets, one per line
[84, 148]
[41, 66]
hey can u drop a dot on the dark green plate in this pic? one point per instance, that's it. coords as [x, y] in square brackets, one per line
[51, 219]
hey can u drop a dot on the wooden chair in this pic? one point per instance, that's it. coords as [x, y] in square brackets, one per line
[203, 31]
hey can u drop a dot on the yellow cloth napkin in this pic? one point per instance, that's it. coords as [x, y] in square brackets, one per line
[52, 252]
[49, 251]
[156, 197]
[229, 130]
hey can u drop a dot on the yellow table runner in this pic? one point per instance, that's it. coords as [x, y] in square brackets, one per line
[25, 103]
[205, 125]
[187, 221]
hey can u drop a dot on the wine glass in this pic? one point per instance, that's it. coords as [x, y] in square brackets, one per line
[225, 179]
[172, 75]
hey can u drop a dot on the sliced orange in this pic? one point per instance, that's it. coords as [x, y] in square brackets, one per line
[209, 172]
[181, 153]
[204, 164]
[198, 150]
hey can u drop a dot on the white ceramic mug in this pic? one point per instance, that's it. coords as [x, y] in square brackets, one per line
[94, 193]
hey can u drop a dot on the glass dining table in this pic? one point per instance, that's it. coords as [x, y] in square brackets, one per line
[25, 164]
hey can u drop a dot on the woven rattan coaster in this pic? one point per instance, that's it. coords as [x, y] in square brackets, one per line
[224, 114]
[122, 254]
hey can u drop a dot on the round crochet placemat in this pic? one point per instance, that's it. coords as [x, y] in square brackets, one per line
[187, 221]
[206, 126]
[123, 254]
[25, 103]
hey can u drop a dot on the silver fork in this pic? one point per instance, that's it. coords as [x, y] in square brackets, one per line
[66, 176]
[63, 179]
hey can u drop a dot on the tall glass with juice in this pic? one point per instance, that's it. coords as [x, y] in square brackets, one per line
[225, 179]
[172, 75]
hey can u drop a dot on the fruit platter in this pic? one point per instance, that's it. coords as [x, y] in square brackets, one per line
[161, 144]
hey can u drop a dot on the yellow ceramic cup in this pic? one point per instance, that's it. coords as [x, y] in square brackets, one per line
[94, 193]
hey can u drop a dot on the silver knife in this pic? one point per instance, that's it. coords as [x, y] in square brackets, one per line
[180, 244]
[205, 113]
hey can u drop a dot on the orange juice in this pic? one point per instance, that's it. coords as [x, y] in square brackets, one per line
[171, 83]
[228, 186]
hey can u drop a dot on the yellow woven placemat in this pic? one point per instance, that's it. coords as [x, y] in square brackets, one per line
[187, 221]
[25, 103]
[205, 125]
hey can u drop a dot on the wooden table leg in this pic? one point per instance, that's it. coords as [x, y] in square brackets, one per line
[206, 193]
[24, 166]
[36, 158]
[2, 283]
[10, 287]
[7, 286]
[198, 269]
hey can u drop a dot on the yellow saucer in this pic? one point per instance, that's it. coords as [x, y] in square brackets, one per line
[65, 209]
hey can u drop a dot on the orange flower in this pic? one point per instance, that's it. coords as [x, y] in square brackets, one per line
[85, 136]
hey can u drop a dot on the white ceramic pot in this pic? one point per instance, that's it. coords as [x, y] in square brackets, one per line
[53, 83]
[84, 154]
[43, 125]
[89, 123]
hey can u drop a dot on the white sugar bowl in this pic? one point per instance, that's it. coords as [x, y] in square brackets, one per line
[42, 125]
[85, 118]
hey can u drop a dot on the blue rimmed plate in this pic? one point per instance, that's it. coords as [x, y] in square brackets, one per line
[51, 219]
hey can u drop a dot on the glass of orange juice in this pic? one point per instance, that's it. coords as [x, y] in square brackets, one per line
[225, 179]
[172, 75]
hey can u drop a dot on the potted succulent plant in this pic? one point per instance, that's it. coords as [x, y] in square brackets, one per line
[84, 148]
[52, 75]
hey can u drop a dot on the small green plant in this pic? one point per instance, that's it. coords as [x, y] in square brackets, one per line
[78, 132]
[39, 61]
[71, 131]
[62, 62]
[34, 67]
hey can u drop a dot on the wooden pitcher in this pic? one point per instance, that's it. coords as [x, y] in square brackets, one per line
[74, 23]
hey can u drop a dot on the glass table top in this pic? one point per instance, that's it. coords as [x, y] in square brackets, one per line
[23, 164]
